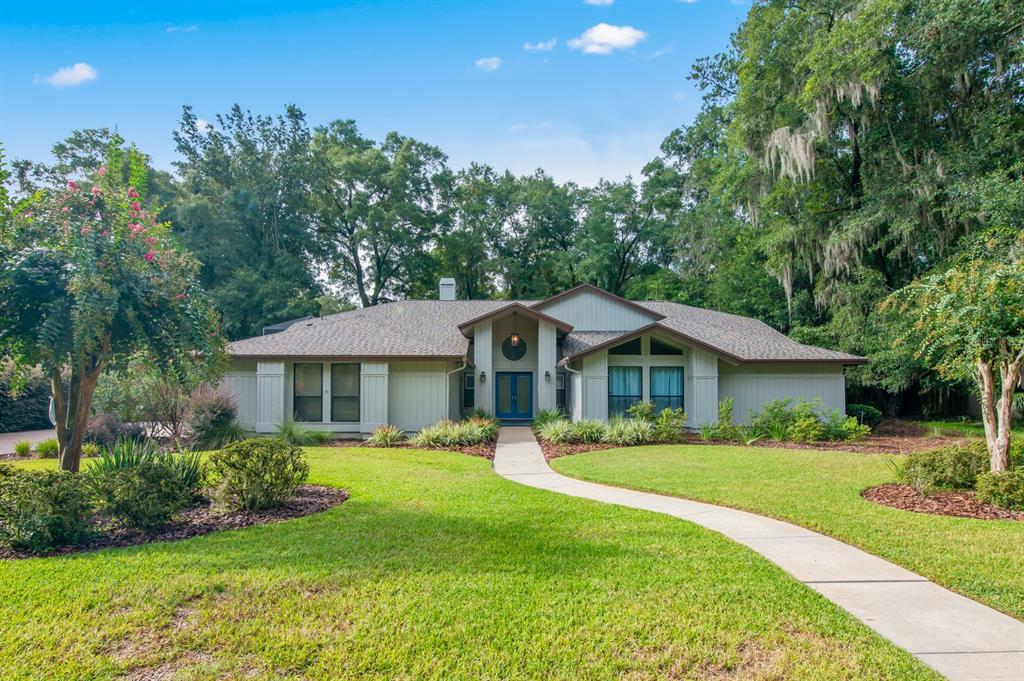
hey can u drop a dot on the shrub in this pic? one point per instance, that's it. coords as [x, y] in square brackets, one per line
[29, 408]
[643, 411]
[629, 432]
[211, 418]
[42, 510]
[472, 431]
[292, 433]
[125, 454]
[707, 431]
[386, 436]
[257, 473]
[90, 450]
[854, 430]
[865, 414]
[143, 496]
[545, 416]
[806, 429]
[773, 421]
[482, 413]
[954, 467]
[670, 425]
[23, 448]
[188, 466]
[726, 429]
[557, 432]
[106, 429]
[48, 449]
[588, 430]
[488, 425]
[1004, 489]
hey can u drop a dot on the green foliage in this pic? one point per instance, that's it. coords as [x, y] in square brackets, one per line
[1004, 489]
[473, 431]
[292, 433]
[48, 449]
[24, 399]
[588, 431]
[954, 467]
[558, 431]
[545, 416]
[22, 448]
[865, 413]
[725, 429]
[629, 432]
[91, 449]
[385, 436]
[211, 418]
[488, 425]
[707, 431]
[42, 510]
[805, 429]
[107, 429]
[143, 496]
[670, 425]
[643, 411]
[126, 454]
[258, 473]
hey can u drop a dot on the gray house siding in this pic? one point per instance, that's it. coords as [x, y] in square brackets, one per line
[751, 385]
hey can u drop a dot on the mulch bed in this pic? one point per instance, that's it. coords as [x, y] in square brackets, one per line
[553, 451]
[200, 520]
[962, 504]
[484, 450]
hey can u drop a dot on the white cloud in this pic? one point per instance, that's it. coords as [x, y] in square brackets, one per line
[657, 54]
[488, 63]
[542, 46]
[688, 2]
[599, 2]
[69, 76]
[605, 39]
[203, 126]
[182, 29]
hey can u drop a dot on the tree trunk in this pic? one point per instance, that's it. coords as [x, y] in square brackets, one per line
[72, 420]
[996, 414]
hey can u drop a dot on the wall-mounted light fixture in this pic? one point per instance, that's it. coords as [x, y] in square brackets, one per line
[483, 376]
[547, 375]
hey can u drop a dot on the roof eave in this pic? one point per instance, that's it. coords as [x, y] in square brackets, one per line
[517, 308]
[654, 326]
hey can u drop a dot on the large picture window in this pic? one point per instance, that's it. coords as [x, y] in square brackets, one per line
[625, 388]
[309, 392]
[345, 393]
[667, 387]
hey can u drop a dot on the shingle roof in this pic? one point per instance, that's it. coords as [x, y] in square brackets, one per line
[430, 329]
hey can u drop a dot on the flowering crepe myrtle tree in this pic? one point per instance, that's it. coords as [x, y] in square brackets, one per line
[89, 277]
[968, 321]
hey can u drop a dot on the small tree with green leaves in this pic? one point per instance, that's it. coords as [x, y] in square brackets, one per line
[88, 277]
[968, 321]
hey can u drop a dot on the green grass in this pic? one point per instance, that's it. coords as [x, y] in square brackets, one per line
[435, 568]
[983, 559]
[964, 428]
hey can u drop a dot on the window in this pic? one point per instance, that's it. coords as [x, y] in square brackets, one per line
[345, 393]
[513, 351]
[309, 386]
[632, 347]
[468, 391]
[625, 388]
[667, 387]
[560, 391]
[662, 348]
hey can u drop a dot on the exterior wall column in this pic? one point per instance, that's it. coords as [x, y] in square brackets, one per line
[270, 396]
[373, 396]
[704, 377]
[595, 386]
[547, 356]
[483, 352]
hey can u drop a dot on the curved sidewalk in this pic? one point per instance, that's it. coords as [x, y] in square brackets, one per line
[960, 638]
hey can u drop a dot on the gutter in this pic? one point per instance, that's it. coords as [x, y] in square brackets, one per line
[448, 383]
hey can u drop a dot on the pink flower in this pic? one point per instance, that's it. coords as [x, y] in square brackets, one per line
[95, 190]
[73, 186]
[151, 240]
[180, 296]
[84, 231]
[104, 234]
[134, 206]
[150, 256]
[102, 171]
[132, 194]
[64, 209]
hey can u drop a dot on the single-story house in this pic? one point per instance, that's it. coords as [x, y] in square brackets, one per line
[585, 351]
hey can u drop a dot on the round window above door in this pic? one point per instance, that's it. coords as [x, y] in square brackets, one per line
[516, 352]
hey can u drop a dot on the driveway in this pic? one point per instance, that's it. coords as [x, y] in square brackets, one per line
[7, 440]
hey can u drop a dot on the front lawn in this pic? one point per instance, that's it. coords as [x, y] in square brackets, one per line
[435, 567]
[983, 559]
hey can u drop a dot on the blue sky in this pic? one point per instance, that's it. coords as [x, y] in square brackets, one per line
[596, 102]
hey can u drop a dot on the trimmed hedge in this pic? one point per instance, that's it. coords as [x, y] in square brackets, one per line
[259, 473]
[43, 510]
[1004, 489]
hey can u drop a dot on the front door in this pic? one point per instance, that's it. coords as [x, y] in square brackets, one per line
[514, 398]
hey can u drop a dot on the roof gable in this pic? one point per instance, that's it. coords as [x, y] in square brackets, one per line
[588, 308]
[517, 308]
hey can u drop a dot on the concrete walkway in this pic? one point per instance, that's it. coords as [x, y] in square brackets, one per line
[962, 639]
[8, 440]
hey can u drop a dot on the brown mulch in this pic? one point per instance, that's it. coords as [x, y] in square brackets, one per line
[484, 450]
[553, 451]
[961, 504]
[202, 519]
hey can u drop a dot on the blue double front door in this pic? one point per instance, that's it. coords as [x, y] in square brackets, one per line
[513, 397]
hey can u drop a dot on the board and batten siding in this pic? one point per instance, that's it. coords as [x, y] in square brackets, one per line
[547, 350]
[752, 385]
[589, 311]
[240, 385]
[416, 394]
[373, 395]
[270, 396]
[483, 354]
[595, 386]
[703, 388]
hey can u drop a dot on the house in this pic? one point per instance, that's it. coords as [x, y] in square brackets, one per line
[585, 351]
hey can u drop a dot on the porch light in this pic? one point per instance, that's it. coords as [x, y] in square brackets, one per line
[514, 339]
[547, 375]
[483, 376]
